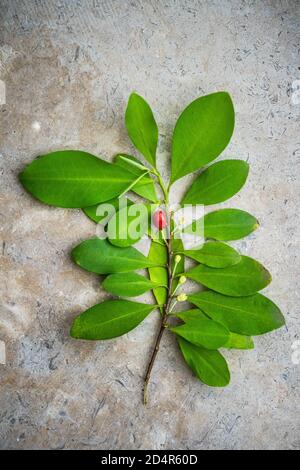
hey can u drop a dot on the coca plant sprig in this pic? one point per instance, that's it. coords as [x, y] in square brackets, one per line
[230, 309]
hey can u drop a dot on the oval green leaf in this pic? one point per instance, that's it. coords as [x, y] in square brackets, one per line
[71, 178]
[229, 224]
[202, 132]
[129, 225]
[203, 332]
[245, 278]
[209, 366]
[141, 127]
[215, 254]
[128, 284]
[217, 183]
[250, 316]
[145, 187]
[235, 341]
[109, 319]
[99, 256]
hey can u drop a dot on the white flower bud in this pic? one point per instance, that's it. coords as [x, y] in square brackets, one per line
[182, 297]
[177, 259]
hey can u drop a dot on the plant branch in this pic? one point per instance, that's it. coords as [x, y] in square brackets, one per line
[163, 320]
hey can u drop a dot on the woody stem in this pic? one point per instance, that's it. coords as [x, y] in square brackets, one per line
[163, 320]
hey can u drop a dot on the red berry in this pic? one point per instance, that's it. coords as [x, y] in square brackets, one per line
[160, 219]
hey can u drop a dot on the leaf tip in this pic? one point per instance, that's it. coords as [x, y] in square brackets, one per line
[256, 225]
[74, 257]
[22, 177]
[134, 96]
[247, 166]
[226, 93]
[74, 333]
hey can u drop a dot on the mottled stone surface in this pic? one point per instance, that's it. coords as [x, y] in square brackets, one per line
[68, 67]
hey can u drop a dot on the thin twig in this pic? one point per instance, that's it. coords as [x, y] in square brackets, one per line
[163, 321]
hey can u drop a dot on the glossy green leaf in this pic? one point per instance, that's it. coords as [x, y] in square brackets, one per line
[215, 254]
[109, 319]
[158, 255]
[99, 256]
[145, 187]
[71, 178]
[251, 316]
[209, 366]
[128, 284]
[245, 278]
[217, 183]
[203, 332]
[141, 126]
[229, 224]
[101, 213]
[129, 225]
[202, 132]
[192, 314]
[236, 341]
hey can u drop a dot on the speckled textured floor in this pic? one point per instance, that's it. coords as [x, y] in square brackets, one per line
[69, 67]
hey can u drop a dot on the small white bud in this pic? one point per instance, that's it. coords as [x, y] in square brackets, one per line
[182, 297]
[182, 279]
[177, 259]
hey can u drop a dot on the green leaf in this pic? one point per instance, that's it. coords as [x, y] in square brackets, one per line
[215, 254]
[71, 178]
[202, 132]
[251, 316]
[236, 341]
[99, 256]
[229, 224]
[245, 278]
[203, 332]
[209, 366]
[103, 218]
[128, 284]
[145, 187]
[109, 319]
[158, 255]
[218, 183]
[129, 225]
[192, 314]
[141, 126]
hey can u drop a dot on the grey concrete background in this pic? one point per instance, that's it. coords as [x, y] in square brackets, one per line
[69, 67]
